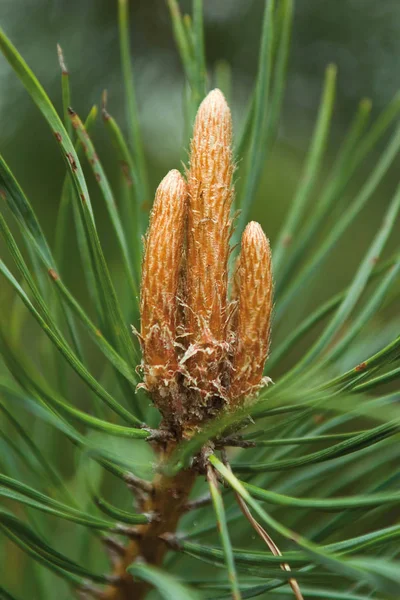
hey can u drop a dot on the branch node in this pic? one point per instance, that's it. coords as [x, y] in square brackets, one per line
[158, 435]
[237, 442]
[87, 590]
[198, 503]
[131, 532]
[114, 547]
[171, 541]
[153, 517]
[137, 483]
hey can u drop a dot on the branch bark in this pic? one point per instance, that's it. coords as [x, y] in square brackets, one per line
[167, 501]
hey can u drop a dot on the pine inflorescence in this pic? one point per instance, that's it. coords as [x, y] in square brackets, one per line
[203, 352]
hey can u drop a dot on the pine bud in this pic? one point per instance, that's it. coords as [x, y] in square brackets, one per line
[209, 230]
[254, 314]
[203, 353]
[159, 304]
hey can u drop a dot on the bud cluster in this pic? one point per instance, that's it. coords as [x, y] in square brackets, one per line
[203, 352]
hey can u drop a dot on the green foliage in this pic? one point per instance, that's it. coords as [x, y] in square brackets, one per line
[319, 456]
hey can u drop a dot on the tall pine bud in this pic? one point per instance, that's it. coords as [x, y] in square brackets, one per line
[209, 230]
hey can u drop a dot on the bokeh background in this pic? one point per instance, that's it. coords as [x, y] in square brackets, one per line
[361, 36]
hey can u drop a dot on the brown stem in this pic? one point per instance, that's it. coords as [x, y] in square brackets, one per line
[167, 501]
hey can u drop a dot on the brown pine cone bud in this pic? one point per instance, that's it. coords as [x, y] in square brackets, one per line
[160, 280]
[253, 315]
[209, 230]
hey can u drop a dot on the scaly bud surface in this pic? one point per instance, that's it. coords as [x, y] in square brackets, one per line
[254, 314]
[208, 234]
[203, 353]
[160, 280]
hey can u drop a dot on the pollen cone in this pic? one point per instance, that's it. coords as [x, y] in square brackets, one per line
[209, 230]
[254, 314]
[160, 280]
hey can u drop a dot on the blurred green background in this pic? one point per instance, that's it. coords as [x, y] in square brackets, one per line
[360, 37]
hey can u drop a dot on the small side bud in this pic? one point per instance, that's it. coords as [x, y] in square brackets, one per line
[254, 314]
[209, 231]
[160, 279]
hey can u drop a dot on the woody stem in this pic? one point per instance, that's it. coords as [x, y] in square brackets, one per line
[167, 501]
